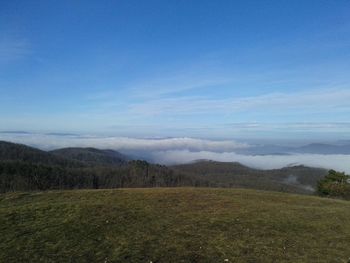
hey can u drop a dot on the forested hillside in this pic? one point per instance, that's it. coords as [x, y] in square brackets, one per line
[92, 156]
[24, 176]
[24, 168]
[297, 179]
[19, 152]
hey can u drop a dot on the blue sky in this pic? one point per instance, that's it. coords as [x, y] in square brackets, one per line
[213, 69]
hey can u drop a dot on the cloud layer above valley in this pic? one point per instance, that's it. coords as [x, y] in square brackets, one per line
[180, 150]
[48, 142]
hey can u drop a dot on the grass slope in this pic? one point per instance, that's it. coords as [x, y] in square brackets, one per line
[172, 225]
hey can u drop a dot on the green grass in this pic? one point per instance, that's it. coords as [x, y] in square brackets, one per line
[172, 225]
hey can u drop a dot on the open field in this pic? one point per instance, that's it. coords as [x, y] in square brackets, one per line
[172, 225]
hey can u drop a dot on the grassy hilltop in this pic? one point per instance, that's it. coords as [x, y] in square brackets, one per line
[172, 225]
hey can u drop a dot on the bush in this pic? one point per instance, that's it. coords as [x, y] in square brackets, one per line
[335, 184]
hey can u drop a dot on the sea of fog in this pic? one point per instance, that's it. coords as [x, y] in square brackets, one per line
[182, 150]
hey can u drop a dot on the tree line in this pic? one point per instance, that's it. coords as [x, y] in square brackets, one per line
[25, 176]
[335, 184]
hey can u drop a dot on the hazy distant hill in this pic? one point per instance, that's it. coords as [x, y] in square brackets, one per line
[298, 179]
[320, 148]
[92, 156]
[265, 150]
[313, 148]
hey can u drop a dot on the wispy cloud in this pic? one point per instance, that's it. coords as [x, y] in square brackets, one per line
[306, 101]
[170, 85]
[175, 84]
[291, 126]
[12, 49]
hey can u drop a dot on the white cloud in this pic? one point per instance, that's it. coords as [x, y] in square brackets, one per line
[123, 143]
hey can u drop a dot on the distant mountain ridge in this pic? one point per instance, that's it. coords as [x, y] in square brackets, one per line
[320, 148]
[313, 148]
